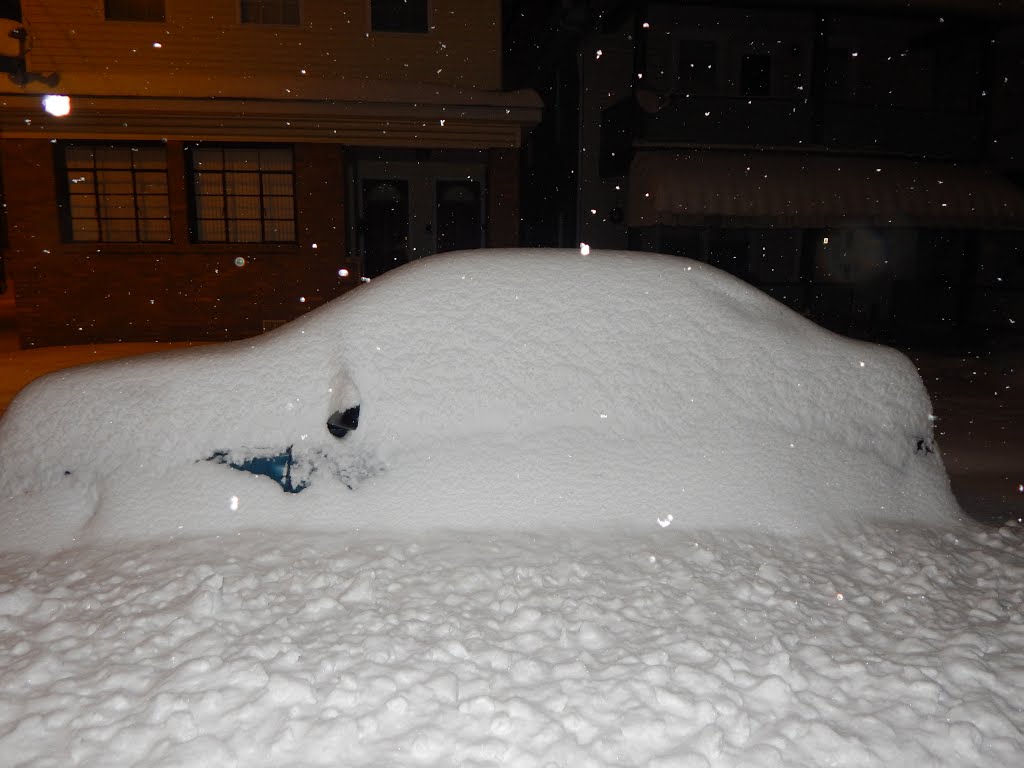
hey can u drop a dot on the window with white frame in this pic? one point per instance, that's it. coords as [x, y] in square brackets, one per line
[115, 193]
[243, 194]
[270, 12]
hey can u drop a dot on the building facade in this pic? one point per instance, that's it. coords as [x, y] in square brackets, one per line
[227, 165]
[861, 161]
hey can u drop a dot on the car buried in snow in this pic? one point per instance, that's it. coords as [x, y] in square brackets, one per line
[609, 389]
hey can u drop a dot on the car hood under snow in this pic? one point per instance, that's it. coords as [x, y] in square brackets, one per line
[496, 389]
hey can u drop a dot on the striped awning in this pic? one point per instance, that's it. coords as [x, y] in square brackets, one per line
[755, 188]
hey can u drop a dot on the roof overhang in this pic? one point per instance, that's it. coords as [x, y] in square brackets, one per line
[357, 112]
[783, 189]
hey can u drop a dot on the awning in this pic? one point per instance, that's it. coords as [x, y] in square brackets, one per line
[733, 188]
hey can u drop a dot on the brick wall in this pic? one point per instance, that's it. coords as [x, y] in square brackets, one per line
[88, 293]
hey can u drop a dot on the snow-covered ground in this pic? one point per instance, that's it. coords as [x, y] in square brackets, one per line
[604, 510]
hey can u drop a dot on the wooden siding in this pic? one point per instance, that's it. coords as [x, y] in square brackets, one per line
[204, 47]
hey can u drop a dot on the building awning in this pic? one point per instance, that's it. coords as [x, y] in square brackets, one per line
[752, 188]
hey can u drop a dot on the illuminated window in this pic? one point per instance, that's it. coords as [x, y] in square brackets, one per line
[243, 194]
[134, 10]
[398, 15]
[270, 12]
[115, 193]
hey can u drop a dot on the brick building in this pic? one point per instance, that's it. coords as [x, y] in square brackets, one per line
[229, 164]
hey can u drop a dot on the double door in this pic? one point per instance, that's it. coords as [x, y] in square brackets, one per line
[411, 209]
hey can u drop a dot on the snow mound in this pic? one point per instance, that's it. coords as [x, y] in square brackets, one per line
[880, 647]
[497, 389]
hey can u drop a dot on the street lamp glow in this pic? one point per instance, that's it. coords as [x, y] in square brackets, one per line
[58, 106]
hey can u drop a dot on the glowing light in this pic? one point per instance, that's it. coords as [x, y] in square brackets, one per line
[342, 273]
[239, 261]
[157, 45]
[234, 503]
[56, 105]
[584, 249]
[314, 245]
[825, 241]
[302, 299]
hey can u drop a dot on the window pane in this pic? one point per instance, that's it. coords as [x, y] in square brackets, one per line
[243, 207]
[153, 207]
[113, 157]
[277, 184]
[151, 183]
[134, 10]
[244, 231]
[86, 230]
[280, 231]
[78, 157]
[119, 230]
[207, 159]
[209, 183]
[242, 160]
[242, 183]
[80, 183]
[155, 230]
[275, 160]
[398, 15]
[277, 207]
[208, 207]
[211, 230]
[115, 182]
[270, 11]
[150, 158]
[117, 206]
[82, 206]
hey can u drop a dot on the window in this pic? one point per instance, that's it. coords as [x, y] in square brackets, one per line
[243, 194]
[756, 75]
[698, 67]
[398, 15]
[134, 10]
[270, 12]
[115, 193]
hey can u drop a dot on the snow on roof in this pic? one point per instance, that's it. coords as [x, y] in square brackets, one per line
[523, 389]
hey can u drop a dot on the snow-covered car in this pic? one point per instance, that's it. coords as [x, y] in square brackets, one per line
[516, 508]
[610, 389]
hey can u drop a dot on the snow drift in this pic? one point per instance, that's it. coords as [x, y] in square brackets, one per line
[497, 389]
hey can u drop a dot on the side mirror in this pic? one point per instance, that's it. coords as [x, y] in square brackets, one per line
[342, 422]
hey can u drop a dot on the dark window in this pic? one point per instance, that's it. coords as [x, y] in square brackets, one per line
[398, 15]
[134, 10]
[756, 75]
[270, 12]
[115, 193]
[243, 194]
[10, 9]
[697, 71]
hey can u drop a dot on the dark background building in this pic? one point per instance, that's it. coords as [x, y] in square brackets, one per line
[861, 161]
